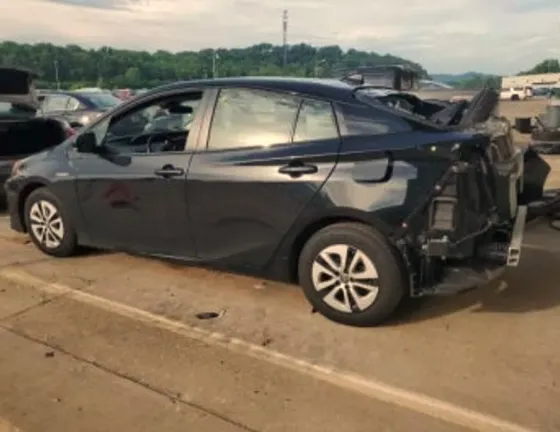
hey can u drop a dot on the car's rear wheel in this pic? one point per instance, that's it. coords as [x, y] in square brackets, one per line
[352, 275]
[514, 97]
[47, 224]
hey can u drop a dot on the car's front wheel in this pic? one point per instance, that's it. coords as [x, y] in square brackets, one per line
[48, 225]
[352, 275]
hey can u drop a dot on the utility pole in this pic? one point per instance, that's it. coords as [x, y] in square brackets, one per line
[214, 68]
[285, 36]
[56, 74]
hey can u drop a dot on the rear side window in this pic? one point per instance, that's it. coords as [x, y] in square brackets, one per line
[252, 118]
[315, 122]
[55, 103]
[364, 120]
[73, 104]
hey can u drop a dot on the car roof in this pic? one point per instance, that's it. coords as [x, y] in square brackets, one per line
[318, 87]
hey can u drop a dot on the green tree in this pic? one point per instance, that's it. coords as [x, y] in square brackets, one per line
[546, 66]
[110, 67]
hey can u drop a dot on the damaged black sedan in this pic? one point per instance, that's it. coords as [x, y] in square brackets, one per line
[317, 182]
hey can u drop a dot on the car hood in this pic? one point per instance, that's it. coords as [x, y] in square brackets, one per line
[18, 86]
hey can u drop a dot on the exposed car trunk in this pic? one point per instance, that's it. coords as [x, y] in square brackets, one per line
[21, 132]
[18, 86]
[23, 137]
[496, 140]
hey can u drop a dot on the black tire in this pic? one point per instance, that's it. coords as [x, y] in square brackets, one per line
[514, 97]
[67, 241]
[391, 274]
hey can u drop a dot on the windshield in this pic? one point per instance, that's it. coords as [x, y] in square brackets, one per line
[370, 96]
[102, 100]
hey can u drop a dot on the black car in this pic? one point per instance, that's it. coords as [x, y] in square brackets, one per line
[79, 108]
[22, 132]
[310, 181]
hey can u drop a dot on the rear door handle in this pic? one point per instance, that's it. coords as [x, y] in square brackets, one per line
[298, 169]
[169, 171]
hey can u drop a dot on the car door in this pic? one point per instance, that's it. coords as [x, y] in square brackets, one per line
[260, 160]
[132, 194]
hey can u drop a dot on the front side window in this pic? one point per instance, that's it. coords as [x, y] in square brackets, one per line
[252, 118]
[160, 126]
[315, 122]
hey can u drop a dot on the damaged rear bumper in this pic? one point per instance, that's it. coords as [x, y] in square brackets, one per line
[490, 262]
[473, 227]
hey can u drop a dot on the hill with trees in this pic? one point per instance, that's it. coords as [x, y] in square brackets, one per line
[75, 66]
[546, 66]
[109, 67]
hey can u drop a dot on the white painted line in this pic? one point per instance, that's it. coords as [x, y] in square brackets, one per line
[372, 388]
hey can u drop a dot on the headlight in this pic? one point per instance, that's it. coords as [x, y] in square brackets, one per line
[84, 120]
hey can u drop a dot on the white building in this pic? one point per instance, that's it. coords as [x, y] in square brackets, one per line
[539, 80]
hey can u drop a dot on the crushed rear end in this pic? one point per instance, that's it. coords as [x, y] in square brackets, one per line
[469, 229]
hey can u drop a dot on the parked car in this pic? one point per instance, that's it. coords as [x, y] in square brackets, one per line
[317, 182]
[79, 108]
[21, 132]
[541, 91]
[516, 93]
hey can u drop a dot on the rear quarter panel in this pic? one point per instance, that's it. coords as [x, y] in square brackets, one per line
[378, 181]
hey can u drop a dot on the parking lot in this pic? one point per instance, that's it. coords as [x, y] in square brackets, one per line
[109, 341]
[112, 342]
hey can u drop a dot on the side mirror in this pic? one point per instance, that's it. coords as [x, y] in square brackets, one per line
[86, 143]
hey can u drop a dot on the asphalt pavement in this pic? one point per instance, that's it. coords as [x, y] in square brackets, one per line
[108, 341]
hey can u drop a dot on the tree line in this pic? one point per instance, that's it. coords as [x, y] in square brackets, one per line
[73, 66]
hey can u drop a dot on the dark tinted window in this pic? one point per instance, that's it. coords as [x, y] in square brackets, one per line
[364, 120]
[251, 118]
[315, 122]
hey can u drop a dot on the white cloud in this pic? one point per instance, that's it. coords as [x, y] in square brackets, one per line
[500, 36]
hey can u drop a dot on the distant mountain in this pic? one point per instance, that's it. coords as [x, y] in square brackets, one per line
[453, 78]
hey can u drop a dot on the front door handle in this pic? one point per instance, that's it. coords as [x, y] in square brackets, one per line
[168, 171]
[298, 169]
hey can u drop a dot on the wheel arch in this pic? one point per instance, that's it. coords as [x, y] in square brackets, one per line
[312, 227]
[27, 190]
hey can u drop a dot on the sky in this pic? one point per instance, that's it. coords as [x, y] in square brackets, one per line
[447, 36]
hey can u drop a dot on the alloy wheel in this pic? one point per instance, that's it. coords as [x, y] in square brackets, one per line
[46, 224]
[346, 278]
